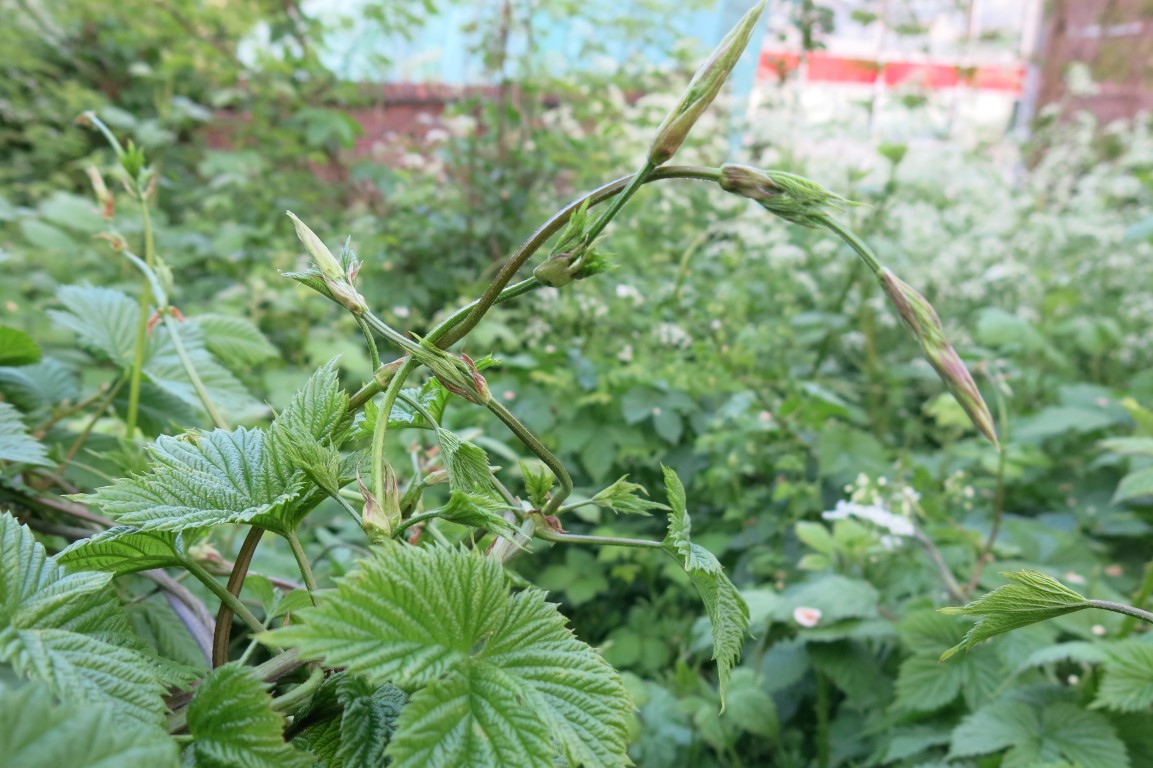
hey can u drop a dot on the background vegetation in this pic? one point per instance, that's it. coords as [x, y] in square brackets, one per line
[843, 490]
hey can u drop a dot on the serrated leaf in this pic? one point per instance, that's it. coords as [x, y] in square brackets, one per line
[726, 608]
[233, 724]
[466, 464]
[924, 684]
[441, 624]
[538, 481]
[233, 340]
[39, 733]
[16, 445]
[432, 396]
[1134, 485]
[1078, 651]
[17, 347]
[319, 409]
[1128, 682]
[69, 632]
[103, 320]
[369, 720]
[1032, 597]
[478, 510]
[46, 383]
[1039, 732]
[625, 498]
[124, 549]
[220, 477]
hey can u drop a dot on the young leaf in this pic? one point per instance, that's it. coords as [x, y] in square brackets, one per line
[466, 464]
[478, 510]
[369, 719]
[17, 347]
[496, 674]
[1128, 682]
[15, 443]
[124, 549]
[70, 632]
[538, 481]
[624, 498]
[319, 409]
[1032, 597]
[726, 608]
[103, 320]
[233, 724]
[38, 733]
[220, 477]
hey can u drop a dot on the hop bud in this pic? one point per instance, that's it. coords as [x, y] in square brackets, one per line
[380, 516]
[919, 315]
[132, 160]
[703, 88]
[336, 280]
[793, 198]
[459, 375]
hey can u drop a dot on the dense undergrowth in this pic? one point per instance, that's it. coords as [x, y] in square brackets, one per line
[755, 361]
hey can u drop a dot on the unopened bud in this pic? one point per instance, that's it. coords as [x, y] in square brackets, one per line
[337, 282]
[103, 196]
[459, 375]
[133, 160]
[794, 198]
[919, 315]
[381, 515]
[703, 88]
[562, 268]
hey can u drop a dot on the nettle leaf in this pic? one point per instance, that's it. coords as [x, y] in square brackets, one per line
[235, 341]
[432, 396]
[124, 549]
[319, 409]
[1040, 732]
[38, 733]
[924, 684]
[233, 724]
[44, 384]
[624, 498]
[1128, 683]
[726, 608]
[356, 721]
[16, 445]
[478, 510]
[1032, 597]
[70, 632]
[466, 464]
[494, 679]
[17, 347]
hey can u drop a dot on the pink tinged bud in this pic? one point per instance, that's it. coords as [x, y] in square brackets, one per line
[703, 88]
[920, 317]
[379, 516]
[338, 283]
[103, 196]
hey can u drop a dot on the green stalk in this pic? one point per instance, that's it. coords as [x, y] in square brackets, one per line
[226, 597]
[538, 448]
[137, 372]
[381, 428]
[190, 369]
[1128, 610]
[576, 538]
[853, 242]
[300, 693]
[370, 342]
[302, 563]
[1139, 600]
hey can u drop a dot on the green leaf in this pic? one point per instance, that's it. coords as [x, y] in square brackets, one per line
[369, 720]
[1032, 597]
[924, 684]
[46, 383]
[38, 733]
[319, 409]
[103, 320]
[478, 510]
[233, 724]
[750, 706]
[219, 477]
[466, 464]
[432, 396]
[70, 632]
[233, 340]
[1134, 485]
[17, 347]
[1129, 446]
[15, 443]
[538, 481]
[487, 671]
[124, 549]
[1037, 732]
[1128, 683]
[726, 608]
[624, 498]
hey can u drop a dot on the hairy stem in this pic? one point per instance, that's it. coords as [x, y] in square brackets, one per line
[303, 564]
[226, 597]
[540, 451]
[1128, 610]
[190, 369]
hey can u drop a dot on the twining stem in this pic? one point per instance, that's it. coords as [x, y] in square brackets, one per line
[986, 555]
[1128, 610]
[1139, 600]
[223, 634]
[84, 433]
[370, 341]
[538, 448]
[854, 242]
[226, 597]
[576, 538]
[190, 369]
[302, 563]
[300, 693]
[380, 429]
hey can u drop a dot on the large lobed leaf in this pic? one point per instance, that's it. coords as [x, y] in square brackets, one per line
[70, 632]
[233, 724]
[495, 679]
[726, 608]
[38, 733]
[16, 444]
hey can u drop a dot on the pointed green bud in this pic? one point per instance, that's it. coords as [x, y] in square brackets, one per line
[703, 88]
[336, 280]
[381, 515]
[794, 198]
[920, 317]
[132, 161]
[459, 375]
